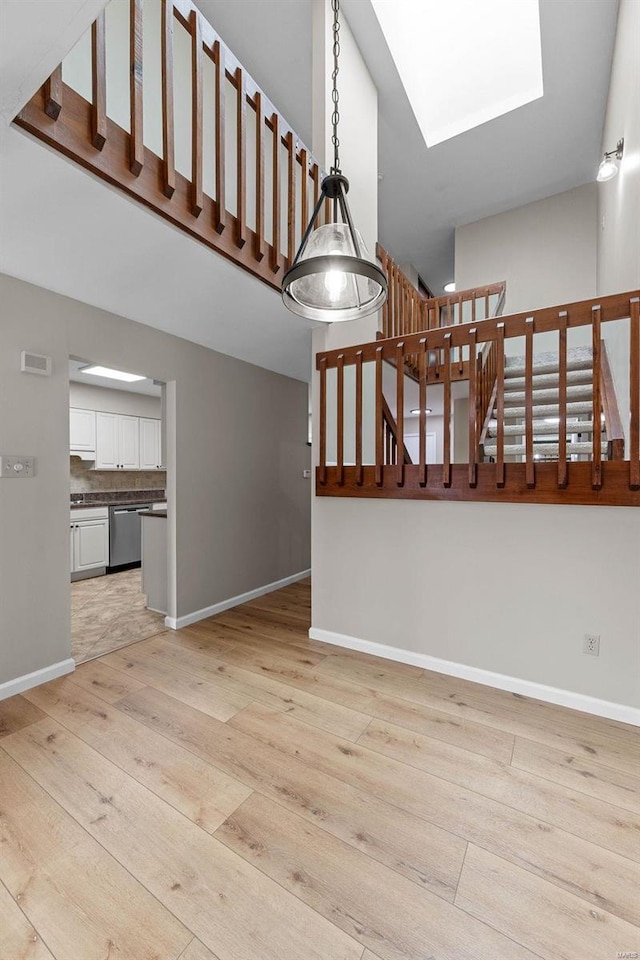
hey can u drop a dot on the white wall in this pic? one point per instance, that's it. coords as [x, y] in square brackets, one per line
[239, 508]
[509, 588]
[546, 251]
[619, 199]
[88, 397]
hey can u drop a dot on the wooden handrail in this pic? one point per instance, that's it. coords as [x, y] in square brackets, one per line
[408, 311]
[391, 424]
[62, 118]
[603, 478]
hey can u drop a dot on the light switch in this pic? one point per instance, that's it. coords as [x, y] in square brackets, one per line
[306, 474]
[15, 466]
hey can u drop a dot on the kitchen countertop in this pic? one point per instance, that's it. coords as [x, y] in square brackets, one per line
[154, 513]
[75, 505]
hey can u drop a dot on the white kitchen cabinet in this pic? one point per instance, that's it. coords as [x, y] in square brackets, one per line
[150, 444]
[129, 442]
[89, 541]
[82, 430]
[117, 442]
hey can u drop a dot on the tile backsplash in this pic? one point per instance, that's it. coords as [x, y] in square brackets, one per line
[84, 480]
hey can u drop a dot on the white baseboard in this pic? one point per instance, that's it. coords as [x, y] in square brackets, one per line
[176, 623]
[20, 684]
[528, 688]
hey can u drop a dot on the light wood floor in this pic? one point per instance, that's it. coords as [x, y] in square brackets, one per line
[236, 791]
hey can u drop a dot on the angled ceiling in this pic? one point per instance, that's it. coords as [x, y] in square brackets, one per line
[538, 150]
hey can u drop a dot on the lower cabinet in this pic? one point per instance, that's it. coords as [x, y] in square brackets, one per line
[89, 545]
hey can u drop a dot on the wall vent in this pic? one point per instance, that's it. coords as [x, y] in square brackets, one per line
[35, 363]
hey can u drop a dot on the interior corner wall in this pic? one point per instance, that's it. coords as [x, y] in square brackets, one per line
[237, 498]
[546, 251]
[619, 199]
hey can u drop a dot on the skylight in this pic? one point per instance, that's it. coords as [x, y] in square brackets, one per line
[463, 62]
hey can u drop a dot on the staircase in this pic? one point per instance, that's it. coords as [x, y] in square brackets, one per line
[580, 424]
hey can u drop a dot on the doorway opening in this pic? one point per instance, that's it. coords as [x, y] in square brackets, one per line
[117, 444]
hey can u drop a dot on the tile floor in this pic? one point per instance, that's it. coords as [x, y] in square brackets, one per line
[108, 613]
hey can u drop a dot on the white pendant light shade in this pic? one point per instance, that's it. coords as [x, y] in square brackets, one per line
[332, 281]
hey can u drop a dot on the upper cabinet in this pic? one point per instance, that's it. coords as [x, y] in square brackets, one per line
[82, 432]
[117, 442]
[150, 444]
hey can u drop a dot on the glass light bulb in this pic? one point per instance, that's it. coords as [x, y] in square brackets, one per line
[335, 283]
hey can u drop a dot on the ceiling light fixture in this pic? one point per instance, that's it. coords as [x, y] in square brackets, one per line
[426, 410]
[450, 287]
[332, 276]
[97, 371]
[610, 163]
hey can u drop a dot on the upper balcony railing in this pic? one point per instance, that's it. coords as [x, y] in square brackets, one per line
[367, 401]
[152, 101]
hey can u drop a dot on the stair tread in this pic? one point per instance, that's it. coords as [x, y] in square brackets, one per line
[582, 392]
[542, 380]
[540, 427]
[541, 410]
[544, 449]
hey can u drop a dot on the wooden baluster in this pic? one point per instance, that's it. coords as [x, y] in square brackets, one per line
[499, 380]
[446, 418]
[634, 398]
[473, 409]
[258, 250]
[422, 402]
[387, 444]
[291, 197]
[393, 459]
[379, 420]
[315, 176]
[220, 215]
[563, 477]
[394, 300]
[340, 420]
[98, 84]
[486, 304]
[359, 471]
[241, 158]
[596, 407]
[304, 190]
[473, 309]
[136, 142]
[323, 420]
[275, 166]
[385, 306]
[53, 94]
[168, 134]
[196, 114]
[449, 320]
[328, 213]
[400, 413]
[460, 309]
[530, 470]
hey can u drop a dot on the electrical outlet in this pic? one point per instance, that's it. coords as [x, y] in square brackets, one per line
[591, 644]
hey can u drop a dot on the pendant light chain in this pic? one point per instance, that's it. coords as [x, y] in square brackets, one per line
[335, 117]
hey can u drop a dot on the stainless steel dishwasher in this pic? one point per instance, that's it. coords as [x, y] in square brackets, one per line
[125, 535]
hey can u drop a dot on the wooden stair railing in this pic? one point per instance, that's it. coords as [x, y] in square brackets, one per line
[407, 311]
[391, 440]
[281, 176]
[602, 479]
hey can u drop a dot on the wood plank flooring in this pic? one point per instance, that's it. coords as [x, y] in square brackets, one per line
[236, 791]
